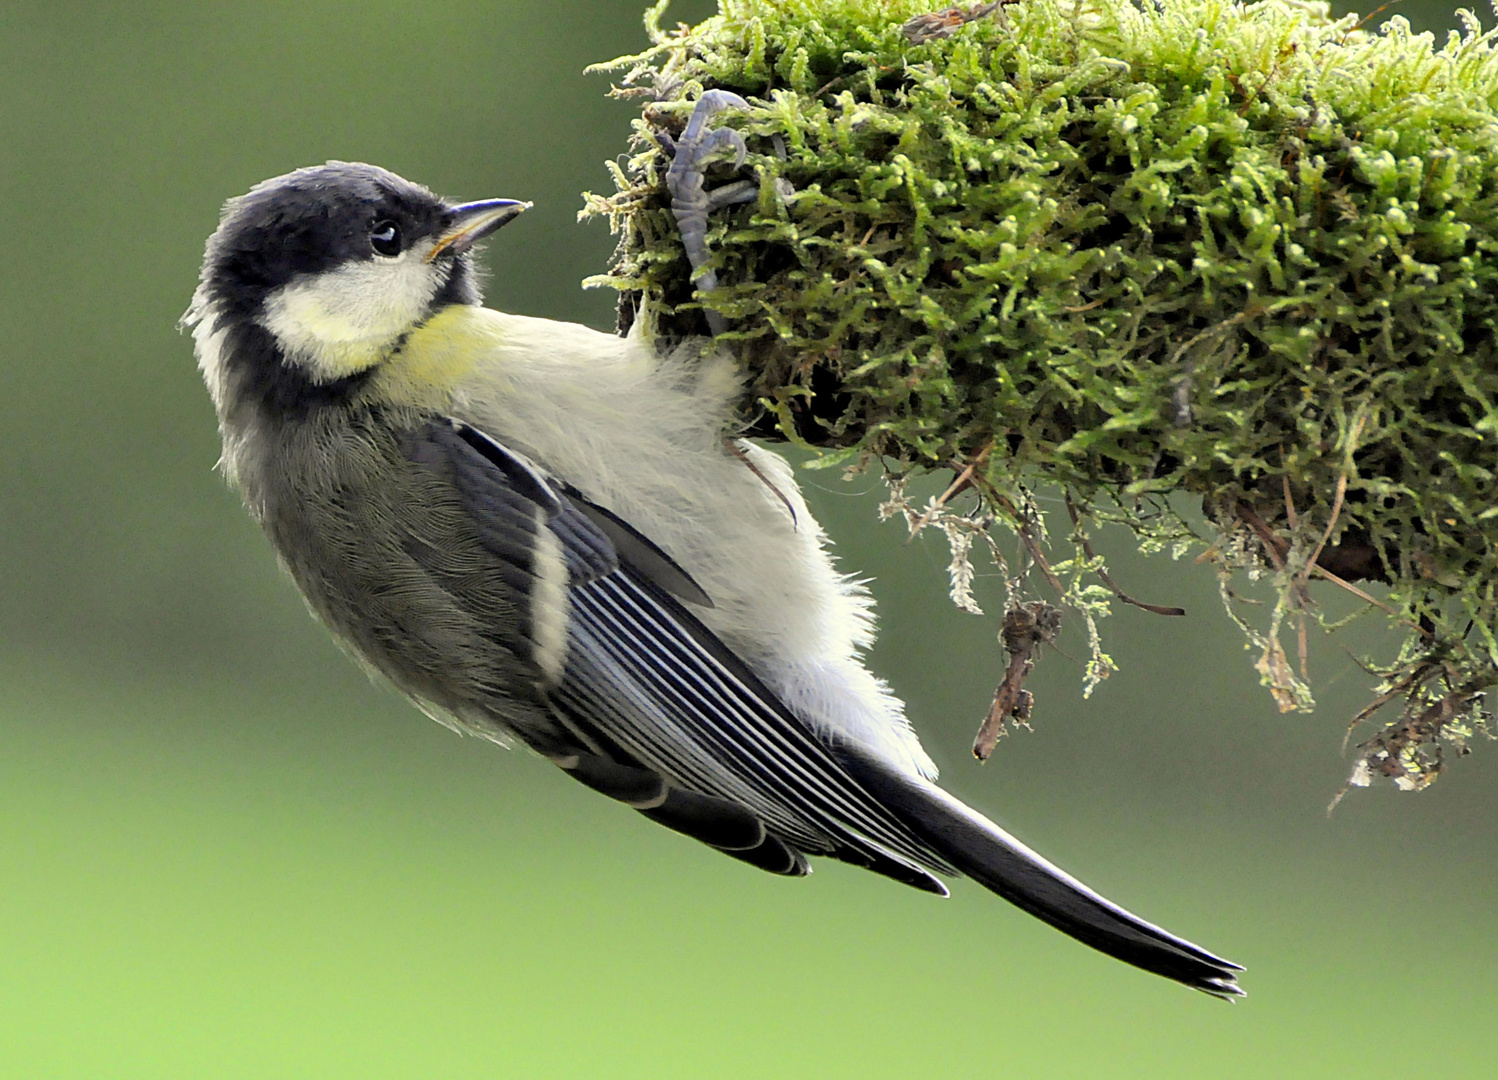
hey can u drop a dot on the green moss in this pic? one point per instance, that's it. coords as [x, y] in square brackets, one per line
[1247, 252]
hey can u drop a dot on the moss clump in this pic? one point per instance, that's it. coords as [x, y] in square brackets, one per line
[1247, 252]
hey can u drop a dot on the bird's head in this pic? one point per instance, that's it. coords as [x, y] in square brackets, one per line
[312, 279]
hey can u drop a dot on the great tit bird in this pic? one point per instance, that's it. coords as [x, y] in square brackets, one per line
[549, 535]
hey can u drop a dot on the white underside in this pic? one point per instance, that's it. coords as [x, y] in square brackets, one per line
[643, 436]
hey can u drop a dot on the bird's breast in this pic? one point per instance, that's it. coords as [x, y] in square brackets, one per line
[437, 358]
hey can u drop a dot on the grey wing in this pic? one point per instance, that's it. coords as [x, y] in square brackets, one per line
[652, 709]
[647, 706]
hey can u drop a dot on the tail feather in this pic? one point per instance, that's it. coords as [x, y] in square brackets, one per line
[1000, 863]
[718, 823]
[873, 856]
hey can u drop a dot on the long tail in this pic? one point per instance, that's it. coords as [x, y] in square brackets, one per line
[999, 862]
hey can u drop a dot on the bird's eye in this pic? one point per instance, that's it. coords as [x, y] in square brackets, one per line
[385, 238]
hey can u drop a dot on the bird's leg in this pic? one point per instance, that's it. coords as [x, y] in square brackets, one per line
[691, 203]
[686, 180]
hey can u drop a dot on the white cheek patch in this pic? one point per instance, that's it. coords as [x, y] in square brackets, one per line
[342, 321]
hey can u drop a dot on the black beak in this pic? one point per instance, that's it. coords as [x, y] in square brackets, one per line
[471, 222]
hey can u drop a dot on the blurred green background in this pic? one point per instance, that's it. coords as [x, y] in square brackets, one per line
[224, 853]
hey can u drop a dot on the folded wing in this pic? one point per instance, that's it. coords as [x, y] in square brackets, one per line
[654, 711]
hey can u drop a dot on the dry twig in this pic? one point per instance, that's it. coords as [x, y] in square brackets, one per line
[1026, 628]
[939, 25]
[1102, 572]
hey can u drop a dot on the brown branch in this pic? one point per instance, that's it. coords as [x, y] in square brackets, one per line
[1026, 628]
[1274, 547]
[1289, 502]
[1379, 702]
[1331, 523]
[1022, 530]
[964, 480]
[1361, 595]
[1102, 572]
[938, 25]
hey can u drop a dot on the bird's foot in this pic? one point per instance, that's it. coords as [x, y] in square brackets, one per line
[686, 180]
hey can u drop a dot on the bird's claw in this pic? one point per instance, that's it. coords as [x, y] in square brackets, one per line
[686, 180]
[728, 194]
